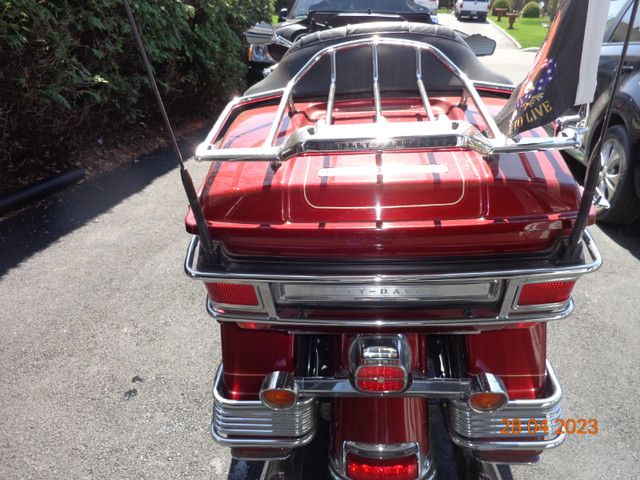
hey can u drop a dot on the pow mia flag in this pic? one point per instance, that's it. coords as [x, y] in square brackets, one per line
[563, 72]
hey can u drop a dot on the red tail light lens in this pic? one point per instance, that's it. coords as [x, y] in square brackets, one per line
[362, 468]
[542, 293]
[232, 293]
[380, 378]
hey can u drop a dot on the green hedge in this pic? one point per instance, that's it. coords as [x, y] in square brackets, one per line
[531, 10]
[500, 4]
[70, 68]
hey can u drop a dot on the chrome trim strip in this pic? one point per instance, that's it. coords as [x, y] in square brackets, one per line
[423, 387]
[249, 423]
[301, 321]
[300, 293]
[482, 431]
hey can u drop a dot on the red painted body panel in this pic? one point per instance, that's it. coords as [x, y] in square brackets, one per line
[249, 355]
[385, 205]
[381, 420]
[516, 355]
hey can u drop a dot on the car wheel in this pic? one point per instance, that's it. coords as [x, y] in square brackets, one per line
[482, 18]
[616, 182]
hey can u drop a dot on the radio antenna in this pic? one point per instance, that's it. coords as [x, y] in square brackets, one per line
[206, 243]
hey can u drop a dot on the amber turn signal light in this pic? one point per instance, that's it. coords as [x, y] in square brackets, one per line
[278, 391]
[487, 402]
[278, 398]
[487, 393]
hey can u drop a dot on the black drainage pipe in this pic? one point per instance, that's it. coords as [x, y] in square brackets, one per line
[40, 189]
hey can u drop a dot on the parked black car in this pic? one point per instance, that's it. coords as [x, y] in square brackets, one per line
[308, 16]
[619, 181]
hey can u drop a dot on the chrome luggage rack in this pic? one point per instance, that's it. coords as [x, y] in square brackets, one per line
[473, 287]
[326, 137]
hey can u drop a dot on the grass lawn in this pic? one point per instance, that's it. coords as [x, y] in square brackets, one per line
[529, 32]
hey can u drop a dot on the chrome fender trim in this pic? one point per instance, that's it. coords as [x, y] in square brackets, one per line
[249, 423]
[483, 431]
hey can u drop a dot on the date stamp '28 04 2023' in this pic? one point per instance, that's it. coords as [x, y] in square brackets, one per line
[559, 426]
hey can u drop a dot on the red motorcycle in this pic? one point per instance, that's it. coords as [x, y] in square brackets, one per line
[378, 255]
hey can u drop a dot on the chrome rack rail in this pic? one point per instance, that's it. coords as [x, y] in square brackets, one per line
[325, 137]
[479, 287]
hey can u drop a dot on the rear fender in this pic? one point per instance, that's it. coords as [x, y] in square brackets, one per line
[382, 427]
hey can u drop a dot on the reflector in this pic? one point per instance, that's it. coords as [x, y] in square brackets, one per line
[240, 453]
[233, 293]
[543, 293]
[509, 457]
[362, 468]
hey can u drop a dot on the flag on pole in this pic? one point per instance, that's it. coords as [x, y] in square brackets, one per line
[564, 70]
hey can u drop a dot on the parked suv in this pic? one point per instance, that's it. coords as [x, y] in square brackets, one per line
[472, 8]
[619, 181]
[431, 5]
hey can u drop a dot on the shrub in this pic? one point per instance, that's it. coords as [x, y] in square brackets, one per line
[531, 10]
[71, 68]
[500, 4]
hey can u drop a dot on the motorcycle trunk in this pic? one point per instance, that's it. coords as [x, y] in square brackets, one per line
[362, 288]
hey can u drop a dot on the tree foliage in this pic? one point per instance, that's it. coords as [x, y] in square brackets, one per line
[70, 68]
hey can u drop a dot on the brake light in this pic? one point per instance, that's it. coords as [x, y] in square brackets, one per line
[380, 378]
[542, 293]
[233, 294]
[362, 468]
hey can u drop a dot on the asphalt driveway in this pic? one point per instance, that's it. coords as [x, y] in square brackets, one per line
[107, 353]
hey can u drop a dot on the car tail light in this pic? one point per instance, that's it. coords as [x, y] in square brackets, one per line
[380, 363]
[363, 468]
[233, 294]
[380, 378]
[545, 293]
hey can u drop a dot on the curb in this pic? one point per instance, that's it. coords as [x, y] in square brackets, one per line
[515, 42]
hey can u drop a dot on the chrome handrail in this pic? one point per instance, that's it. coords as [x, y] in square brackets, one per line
[222, 276]
[266, 287]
